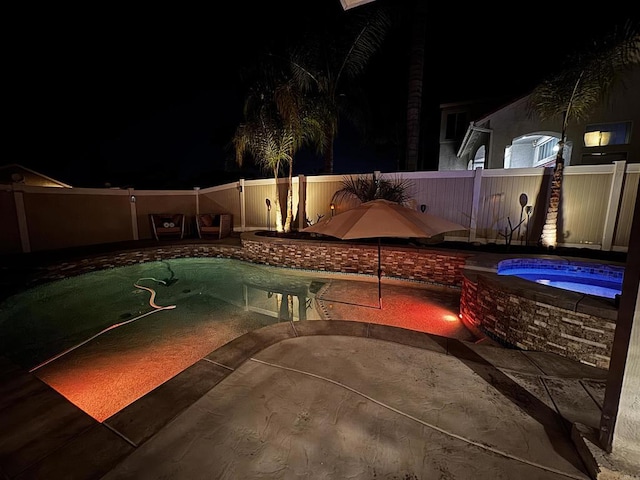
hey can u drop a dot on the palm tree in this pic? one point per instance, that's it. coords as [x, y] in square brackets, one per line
[572, 94]
[269, 142]
[281, 120]
[326, 67]
[299, 116]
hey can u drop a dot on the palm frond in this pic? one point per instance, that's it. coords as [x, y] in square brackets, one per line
[588, 75]
[266, 140]
[368, 36]
[305, 88]
[366, 188]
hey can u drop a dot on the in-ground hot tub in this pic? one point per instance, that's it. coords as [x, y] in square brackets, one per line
[598, 279]
[560, 305]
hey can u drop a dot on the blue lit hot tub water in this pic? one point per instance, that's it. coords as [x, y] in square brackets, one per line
[597, 279]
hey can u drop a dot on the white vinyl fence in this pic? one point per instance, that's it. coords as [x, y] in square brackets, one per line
[597, 206]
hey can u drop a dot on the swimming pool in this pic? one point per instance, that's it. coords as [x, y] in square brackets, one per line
[106, 338]
[601, 280]
[129, 329]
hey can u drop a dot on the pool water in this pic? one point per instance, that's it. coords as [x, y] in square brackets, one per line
[602, 281]
[92, 335]
[598, 288]
[107, 338]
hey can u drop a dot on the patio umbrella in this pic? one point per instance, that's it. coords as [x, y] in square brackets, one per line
[382, 218]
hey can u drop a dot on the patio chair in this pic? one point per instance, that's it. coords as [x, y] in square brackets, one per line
[167, 225]
[213, 225]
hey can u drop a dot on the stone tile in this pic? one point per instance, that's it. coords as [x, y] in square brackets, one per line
[558, 366]
[8, 368]
[499, 357]
[87, 456]
[331, 327]
[410, 338]
[535, 387]
[573, 401]
[145, 417]
[596, 389]
[18, 385]
[35, 425]
[599, 307]
[237, 351]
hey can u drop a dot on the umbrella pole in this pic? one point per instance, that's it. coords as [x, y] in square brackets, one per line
[379, 277]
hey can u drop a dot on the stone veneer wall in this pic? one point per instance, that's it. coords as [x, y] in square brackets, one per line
[415, 263]
[469, 306]
[512, 319]
[409, 263]
[64, 269]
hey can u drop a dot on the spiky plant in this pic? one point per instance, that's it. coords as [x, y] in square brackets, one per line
[366, 188]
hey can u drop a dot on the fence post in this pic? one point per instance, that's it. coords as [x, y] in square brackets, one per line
[475, 203]
[197, 191]
[613, 207]
[18, 198]
[302, 202]
[243, 213]
[134, 214]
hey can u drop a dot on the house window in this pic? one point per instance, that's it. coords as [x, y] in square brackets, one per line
[603, 134]
[545, 152]
[456, 125]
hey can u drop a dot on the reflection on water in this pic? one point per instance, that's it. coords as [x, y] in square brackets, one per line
[53, 317]
[117, 341]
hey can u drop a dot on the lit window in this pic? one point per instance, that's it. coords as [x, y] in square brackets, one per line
[600, 135]
[545, 152]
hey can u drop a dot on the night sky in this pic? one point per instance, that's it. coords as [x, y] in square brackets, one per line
[151, 97]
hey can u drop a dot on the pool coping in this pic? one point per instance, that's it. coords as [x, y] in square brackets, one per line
[487, 267]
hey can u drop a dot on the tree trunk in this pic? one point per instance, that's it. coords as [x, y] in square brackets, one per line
[279, 227]
[289, 219]
[328, 154]
[549, 236]
[278, 208]
[414, 101]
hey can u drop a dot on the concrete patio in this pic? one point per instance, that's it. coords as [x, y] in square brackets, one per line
[322, 399]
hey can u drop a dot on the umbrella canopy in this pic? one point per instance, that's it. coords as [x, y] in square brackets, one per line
[382, 218]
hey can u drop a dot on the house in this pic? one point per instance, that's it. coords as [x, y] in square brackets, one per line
[14, 173]
[513, 137]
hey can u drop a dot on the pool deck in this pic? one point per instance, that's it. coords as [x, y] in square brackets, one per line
[326, 399]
